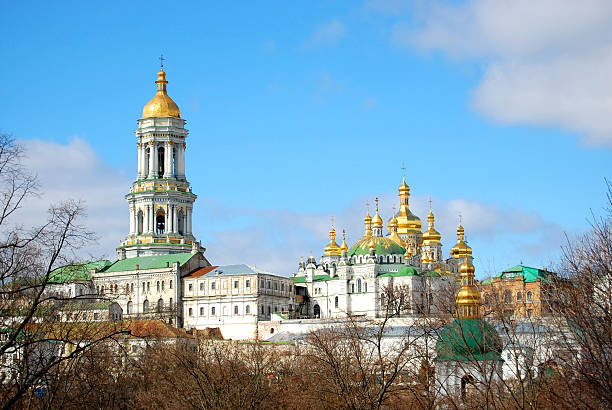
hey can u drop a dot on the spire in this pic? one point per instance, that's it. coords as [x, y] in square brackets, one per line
[368, 222]
[461, 249]
[161, 105]
[344, 246]
[332, 249]
[377, 220]
[468, 297]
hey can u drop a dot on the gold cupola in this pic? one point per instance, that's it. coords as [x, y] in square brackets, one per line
[461, 249]
[407, 222]
[377, 220]
[344, 246]
[468, 297]
[368, 224]
[332, 249]
[161, 105]
[392, 225]
[431, 236]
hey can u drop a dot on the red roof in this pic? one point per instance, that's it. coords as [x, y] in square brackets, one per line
[201, 272]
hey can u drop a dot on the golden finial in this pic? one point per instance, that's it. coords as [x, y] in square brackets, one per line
[430, 204]
[460, 218]
[376, 204]
[161, 59]
[344, 246]
[468, 297]
[332, 221]
[403, 171]
[368, 207]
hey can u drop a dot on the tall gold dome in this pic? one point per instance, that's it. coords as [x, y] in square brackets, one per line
[161, 105]
[377, 220]
[431, 236]
[407, 222]
[344, 246]
[461, 249]
[468, 297]
[332, 249]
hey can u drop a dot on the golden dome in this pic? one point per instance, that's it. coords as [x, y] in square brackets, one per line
[407, 222]
[332, 249]
[461, 249]
[431, 236]
[468, 297]
[377, 220]
[344, 246]
[161, 105]
[372, 245]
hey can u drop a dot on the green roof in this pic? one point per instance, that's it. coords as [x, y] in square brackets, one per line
[77, 271]
[149, 262]
[529, 274]
[404, 271]
[384, 246]
[317, 278]
[299, 279]
[467, 340]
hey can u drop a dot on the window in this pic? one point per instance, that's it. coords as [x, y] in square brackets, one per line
[529, 312]
[365, 287]
[212, 311]
[190, 287]
[144, 287]
[262, 309]
[163, 283]
[158, 286]
[275, 308]
[529, 296]
[247, 309]
[160, 305]
[190, 312]
[201, 286]
[359, 285]
[507, 296]
[519, 296]
[145, 306]
[336, 303]
[269, 310]
[212, 285]
[129, 308]
[235, 284]
[275, 285]
[268, 285]
[171, 303]
[96, 316]
[282, 287]
[132, 287]
[247, 283]
[352, 288]
[235, 310]
[170, 284]
[201, 311]
[148, 286]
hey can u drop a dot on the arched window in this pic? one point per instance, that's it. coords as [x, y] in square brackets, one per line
[352, 288]
[507, 296]
[171, 303]
[467, 383]
[139, 221]
[317, 311]
[336, 303]
[160, 223]
[358, 285]
[170, 283]
[529, 296]
[158, 286]
[160, 161]
[235, 310]
[365, 287]
[145, 306]
[262, 309]
[201, 311]
[190, 311]
[247, 309]
[181, 221]
[132, 287]
[130, 309]
[160, 305]
[519, 296]
[269, 310]
[116, 288]
[212, 311]
[147, 161]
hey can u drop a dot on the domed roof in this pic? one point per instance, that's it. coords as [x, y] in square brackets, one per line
[468, 340]
[407, 271]
[161, 105]
[384, 246]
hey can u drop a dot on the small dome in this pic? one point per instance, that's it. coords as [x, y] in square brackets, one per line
[468, 340]
[407, 271]
[377, 220]
[161, 105]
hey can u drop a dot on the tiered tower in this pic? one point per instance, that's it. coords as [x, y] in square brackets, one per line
[160, 200]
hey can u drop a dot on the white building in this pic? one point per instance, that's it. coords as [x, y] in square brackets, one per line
[234, 298]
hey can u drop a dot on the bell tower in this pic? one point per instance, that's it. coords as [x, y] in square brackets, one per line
[160, 200]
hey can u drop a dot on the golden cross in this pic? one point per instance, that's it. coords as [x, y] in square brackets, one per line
[460, 218]
[430, 204]
[404, 170]
[368, 206]
[332, 221]
[161, 59]
[376, 204]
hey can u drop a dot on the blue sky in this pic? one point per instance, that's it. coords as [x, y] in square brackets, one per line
[298, 111]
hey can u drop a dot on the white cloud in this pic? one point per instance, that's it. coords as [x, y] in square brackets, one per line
[327, 34]
[75, 171]
[272, 239]
[546, 62]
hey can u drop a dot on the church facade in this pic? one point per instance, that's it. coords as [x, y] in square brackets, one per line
[407, 265]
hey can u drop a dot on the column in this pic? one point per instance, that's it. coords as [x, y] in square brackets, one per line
[152, 219]
[174, 218]
[183, 160]
[132, 219]
[168, 160]
[154, 161]
[145, 220]
[151, 159]
[188, 221]
[139, 173]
